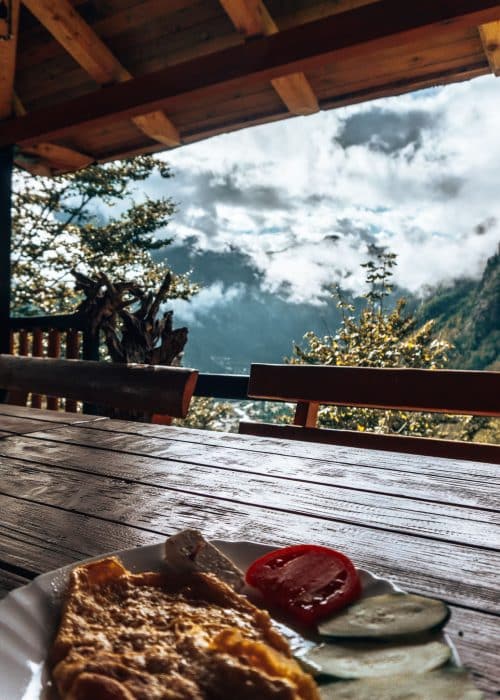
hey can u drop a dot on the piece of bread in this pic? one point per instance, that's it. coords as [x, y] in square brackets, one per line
[188, 551]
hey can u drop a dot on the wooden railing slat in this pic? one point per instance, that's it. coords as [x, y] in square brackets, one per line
[54, 350]
[20, 398]
[72, 353]
[37, 351]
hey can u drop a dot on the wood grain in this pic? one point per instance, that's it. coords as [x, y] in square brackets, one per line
[303, 450]
[470, 526]
[140, 387]
[143, 464]
[444, 391]
[362, 30]
[25, 413]
[476, 637]
[9, 581]
[20, 426]
[431, 447]
[8, 51]
[426, 565]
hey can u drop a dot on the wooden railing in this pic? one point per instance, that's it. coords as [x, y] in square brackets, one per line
[65, 336]
[68, 336]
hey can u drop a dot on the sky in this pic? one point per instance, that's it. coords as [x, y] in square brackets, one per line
[298, 203]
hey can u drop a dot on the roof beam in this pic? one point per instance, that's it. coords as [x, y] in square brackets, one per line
[490, 36]
[8, 50]
[251, 18]
[359, 32]
[44, 158]
[79, 39]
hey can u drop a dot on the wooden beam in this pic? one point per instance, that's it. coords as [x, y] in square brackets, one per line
[251, 18]
[58, 157]
[158, 127]
[490, 36]
[79, 39]
[360, 32]
[296, 92]
[44, 158]
[8, 50]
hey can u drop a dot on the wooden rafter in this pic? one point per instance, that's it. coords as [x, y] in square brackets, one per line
[8, 65]
[251, 18]
[44, 158]
[490, 36]
[358, 33]
[79, 39]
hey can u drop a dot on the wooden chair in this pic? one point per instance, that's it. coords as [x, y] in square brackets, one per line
[151, 389]
[441, 391]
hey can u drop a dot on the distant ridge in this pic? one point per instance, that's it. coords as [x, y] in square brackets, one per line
[467, 313]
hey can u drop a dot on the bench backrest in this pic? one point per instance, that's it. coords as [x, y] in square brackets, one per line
[441, 391]
[152, 389]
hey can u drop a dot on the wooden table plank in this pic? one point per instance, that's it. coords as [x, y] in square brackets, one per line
[297, 448]
[9, 581]
[20, 425]
[232, 445]
[436, 568]
[470, 526]
[7, 409]
[146, 455]
[21, 420]
[476, 637]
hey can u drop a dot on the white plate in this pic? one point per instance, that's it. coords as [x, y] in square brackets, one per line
[29, 615]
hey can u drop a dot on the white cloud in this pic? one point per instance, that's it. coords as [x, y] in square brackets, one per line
[418, 173]
[202, 304]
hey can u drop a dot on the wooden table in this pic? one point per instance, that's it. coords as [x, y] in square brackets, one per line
[73, 486]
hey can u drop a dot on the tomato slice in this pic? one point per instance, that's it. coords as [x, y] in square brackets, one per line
[306, 580]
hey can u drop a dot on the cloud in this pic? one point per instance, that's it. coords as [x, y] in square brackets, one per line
[294, 206]
[386, 130]
[192, 312]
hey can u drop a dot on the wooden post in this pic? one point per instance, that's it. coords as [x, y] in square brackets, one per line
[6, 162]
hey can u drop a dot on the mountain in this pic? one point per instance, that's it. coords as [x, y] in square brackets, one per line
[235, 321]
[467, 313]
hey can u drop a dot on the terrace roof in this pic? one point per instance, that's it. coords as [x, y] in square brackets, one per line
[89, 81]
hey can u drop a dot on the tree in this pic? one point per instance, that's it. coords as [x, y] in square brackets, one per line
[69, 222]
[376, 337]
[207, 414]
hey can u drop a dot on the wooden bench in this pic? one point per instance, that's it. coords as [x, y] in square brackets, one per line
[152, 389]
[440, 391]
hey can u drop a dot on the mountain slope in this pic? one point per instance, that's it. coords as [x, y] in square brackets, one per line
[467, 314]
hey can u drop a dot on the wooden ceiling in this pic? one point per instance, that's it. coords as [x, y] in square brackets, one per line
[85, 81]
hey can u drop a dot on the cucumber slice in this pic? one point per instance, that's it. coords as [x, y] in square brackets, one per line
[369, 660]
[387, 616]
[436, 685]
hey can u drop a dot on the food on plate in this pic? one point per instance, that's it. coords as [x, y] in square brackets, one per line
[189, 551]
[186, 633]
[308, 581]
[445, 684]
[166, 636]
[387, 616]
[372, 660]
